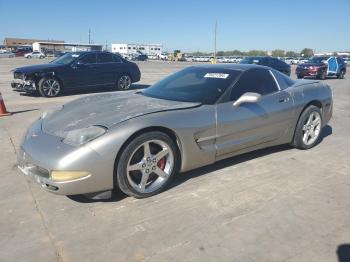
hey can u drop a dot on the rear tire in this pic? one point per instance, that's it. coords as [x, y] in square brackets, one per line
[308, 130]
[124, 82]
[147, 165]
[299, 77]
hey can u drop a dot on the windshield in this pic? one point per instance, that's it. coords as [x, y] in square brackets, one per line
[66, 59]
[193, 84]
[317, 59]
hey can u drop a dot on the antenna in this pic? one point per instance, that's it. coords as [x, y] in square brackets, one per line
[89, 36]
[216, 28]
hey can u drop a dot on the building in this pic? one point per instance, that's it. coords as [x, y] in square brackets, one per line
[14, 43]
[45, 46]
[148, 49]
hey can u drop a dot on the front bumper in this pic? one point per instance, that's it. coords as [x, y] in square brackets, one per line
[23, 85]
[41, 153]
[308, 72]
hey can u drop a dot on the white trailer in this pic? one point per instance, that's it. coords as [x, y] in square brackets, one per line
[148, 49]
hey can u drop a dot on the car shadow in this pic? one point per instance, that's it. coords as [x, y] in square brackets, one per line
[343, 253]
[83, 91]
[181, 178]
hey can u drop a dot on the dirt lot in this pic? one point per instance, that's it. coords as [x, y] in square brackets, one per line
[277, 204]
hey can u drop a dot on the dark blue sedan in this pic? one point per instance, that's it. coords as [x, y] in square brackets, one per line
[272, 62]
[76, 70]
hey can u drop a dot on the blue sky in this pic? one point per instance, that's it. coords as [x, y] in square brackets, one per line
[186, 25]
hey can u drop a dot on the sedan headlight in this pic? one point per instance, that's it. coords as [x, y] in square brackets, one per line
[81, 136]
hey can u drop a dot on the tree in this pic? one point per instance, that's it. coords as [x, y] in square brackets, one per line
[256, 53]
[220, 53]
[307, 52]
[292, 54]
[278, 53]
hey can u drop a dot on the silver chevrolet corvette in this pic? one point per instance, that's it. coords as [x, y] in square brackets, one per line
[138, 140]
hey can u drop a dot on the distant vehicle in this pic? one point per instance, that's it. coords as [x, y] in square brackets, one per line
[22, 51]
[139, 57]
[53, 53]
[138, 141]
[35, 54]
[189, 58]
[164, 56]
[272, 62]
[76, 70]
[287, 60]
[7, 54]
[153, 57]
[322, 66]
[347, 61]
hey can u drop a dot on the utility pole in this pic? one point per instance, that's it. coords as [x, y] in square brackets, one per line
[89, 36]
[216, 28]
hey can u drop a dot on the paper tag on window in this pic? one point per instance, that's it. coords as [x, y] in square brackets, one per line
[74, 55]
[216, 75]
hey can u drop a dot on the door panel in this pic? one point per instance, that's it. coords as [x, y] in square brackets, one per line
[252, 123]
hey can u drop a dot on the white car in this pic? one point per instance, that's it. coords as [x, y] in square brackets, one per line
[288, 60]
[35, 54]
[164, 56]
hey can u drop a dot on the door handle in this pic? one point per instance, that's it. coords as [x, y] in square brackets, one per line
[283, 99]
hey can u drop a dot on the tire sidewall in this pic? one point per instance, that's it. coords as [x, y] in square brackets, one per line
[298, 135]
[120, 174]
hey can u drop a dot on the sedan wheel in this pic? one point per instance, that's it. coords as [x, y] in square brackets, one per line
[309, 127]
[49, 87]
[124, 82]
[147, 165]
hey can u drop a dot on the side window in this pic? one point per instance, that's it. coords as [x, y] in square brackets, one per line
[117, 59]
[88, 59]
[283, 80]
[254, 80]
[104, 58]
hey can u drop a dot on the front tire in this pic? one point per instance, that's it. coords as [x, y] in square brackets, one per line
[308, 130]
[147, 165]
[341, 74]
[323, 75]
[124, 82]
[49, 87]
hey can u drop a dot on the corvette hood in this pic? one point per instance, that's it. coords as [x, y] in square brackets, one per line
[106, 109]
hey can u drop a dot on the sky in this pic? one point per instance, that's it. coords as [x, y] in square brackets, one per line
[187, 25]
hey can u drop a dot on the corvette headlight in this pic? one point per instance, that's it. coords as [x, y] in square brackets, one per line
[81, 136]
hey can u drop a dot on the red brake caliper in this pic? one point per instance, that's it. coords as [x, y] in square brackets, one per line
[161, 163]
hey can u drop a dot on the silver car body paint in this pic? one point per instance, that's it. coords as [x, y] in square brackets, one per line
[204, 133]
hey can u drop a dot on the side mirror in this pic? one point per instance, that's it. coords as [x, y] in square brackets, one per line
[79, 64]
[247, 98]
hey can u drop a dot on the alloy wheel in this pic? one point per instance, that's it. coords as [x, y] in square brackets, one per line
[311, 128]
[51, 87]
[124, 82]
[150, 166]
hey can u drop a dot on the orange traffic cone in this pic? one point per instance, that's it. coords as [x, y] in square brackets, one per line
[3, 111]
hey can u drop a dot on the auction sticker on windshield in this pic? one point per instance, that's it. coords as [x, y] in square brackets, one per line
[216, 75]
